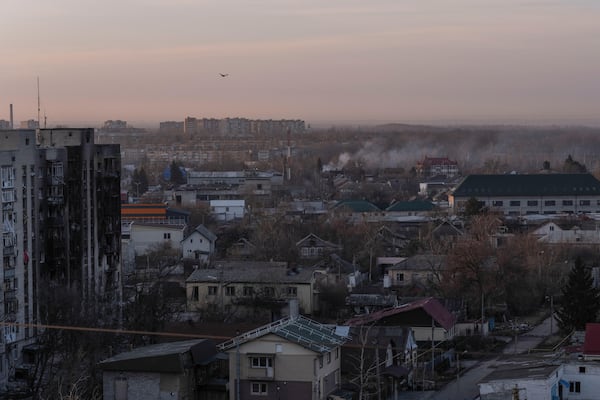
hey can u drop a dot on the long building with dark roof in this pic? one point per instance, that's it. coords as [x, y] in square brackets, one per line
[530, 194]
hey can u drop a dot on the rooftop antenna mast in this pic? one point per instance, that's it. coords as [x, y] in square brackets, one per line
[38, 93]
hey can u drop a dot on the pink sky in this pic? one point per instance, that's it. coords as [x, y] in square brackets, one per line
[321, 61]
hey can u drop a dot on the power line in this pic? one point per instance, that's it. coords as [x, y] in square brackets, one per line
[115, 331]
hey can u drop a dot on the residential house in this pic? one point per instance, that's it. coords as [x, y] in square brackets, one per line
[422, 270]
[431, 166]
[516, 195]
[569, 231]
[245, 288]
[424, 317]
[188, 369]
[334, 270]
[294, 358]
[365, 303]
[312, 247]
[242, 249]
[199, 245]
[389, 352]
[410, 208]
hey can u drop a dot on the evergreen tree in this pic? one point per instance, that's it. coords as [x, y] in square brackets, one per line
[580, 299]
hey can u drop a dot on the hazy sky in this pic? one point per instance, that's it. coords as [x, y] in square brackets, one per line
[335, 60]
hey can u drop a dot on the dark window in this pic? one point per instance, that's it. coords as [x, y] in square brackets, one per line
[567, 202]
[195, 293]
[497, 203]
[248, 290]
[212, 290]
[532, 203]
[584, 202]
[575, 387]
[582, 370]
[550, 203]
[230, 291]
[515, 203]
[259, 388]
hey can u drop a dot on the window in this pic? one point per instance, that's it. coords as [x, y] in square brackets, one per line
[337, 353]
[497, 203]
[195, 294]
[320, 361]
[269, 291]
[532, 203]
[259, 388]
[166, 235]
[567, 202]
[230, 291]
[515, 203]
[261, 362]
[212, 290]
[575, 387]
[549, 203]
[582, 370]
[292, 291]
[248, 290]
[328, 357]
[400, 276]
[584, 202]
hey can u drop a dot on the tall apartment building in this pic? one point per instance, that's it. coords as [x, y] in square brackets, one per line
[60, 225]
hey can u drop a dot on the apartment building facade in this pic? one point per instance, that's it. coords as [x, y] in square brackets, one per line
[60, 225]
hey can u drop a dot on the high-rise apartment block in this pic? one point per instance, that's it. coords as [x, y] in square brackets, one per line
[60, 227]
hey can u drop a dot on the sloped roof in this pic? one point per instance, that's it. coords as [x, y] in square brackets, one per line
[415, 205]
[358, 206]
[318, 241]
[301, 330]
[591, 344]
[201, 229]
[430, 305]
[163, 357]
[421, 262]
[528, 185]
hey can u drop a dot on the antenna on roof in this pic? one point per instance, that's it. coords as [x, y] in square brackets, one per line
[38, 98]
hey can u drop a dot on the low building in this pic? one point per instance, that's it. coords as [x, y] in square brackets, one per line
[199, 245]
[245, 288]
[181, 370]
[422, 270]
[425, 317]
[228, 210]
[145, 236]
[516, 195]
[312, 247]
[431, 166]
[293, 358]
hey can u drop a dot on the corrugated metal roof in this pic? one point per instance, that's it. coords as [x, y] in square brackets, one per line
[163, 357]
[415, 205]
[528, 185]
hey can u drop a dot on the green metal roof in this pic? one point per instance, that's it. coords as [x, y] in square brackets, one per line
[528, 185]
[415, 205]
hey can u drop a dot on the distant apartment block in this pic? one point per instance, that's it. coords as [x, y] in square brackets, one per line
[114, 125]
[60, 223]
[241, 126]
[4, 124]
[530, 194]
[432, 166]
[29, 124]
[171, 127]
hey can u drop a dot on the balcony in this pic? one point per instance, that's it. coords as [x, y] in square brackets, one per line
[267, 373]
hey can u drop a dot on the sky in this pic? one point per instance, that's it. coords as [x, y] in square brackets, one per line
[334, 61]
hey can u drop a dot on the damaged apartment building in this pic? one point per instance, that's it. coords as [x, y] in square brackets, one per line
[60, 227]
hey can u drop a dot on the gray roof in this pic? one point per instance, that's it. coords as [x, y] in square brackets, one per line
[201, 229]
[528, 185]
[526, 371]
[252, 273]
[421, 262]
[163, 357]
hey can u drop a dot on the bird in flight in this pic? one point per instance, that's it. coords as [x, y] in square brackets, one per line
[223, 75]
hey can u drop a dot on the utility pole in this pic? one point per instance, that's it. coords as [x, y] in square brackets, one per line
[375, 341]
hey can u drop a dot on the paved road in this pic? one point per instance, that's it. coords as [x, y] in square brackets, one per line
[466, 386]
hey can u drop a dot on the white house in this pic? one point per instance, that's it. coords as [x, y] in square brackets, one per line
[227, 210]
[144, 236]
[199, 244]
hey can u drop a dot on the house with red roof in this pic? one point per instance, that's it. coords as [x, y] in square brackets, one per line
[427, 318]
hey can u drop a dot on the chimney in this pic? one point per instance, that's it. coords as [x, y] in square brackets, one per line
[294, 309]
[11, 117]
